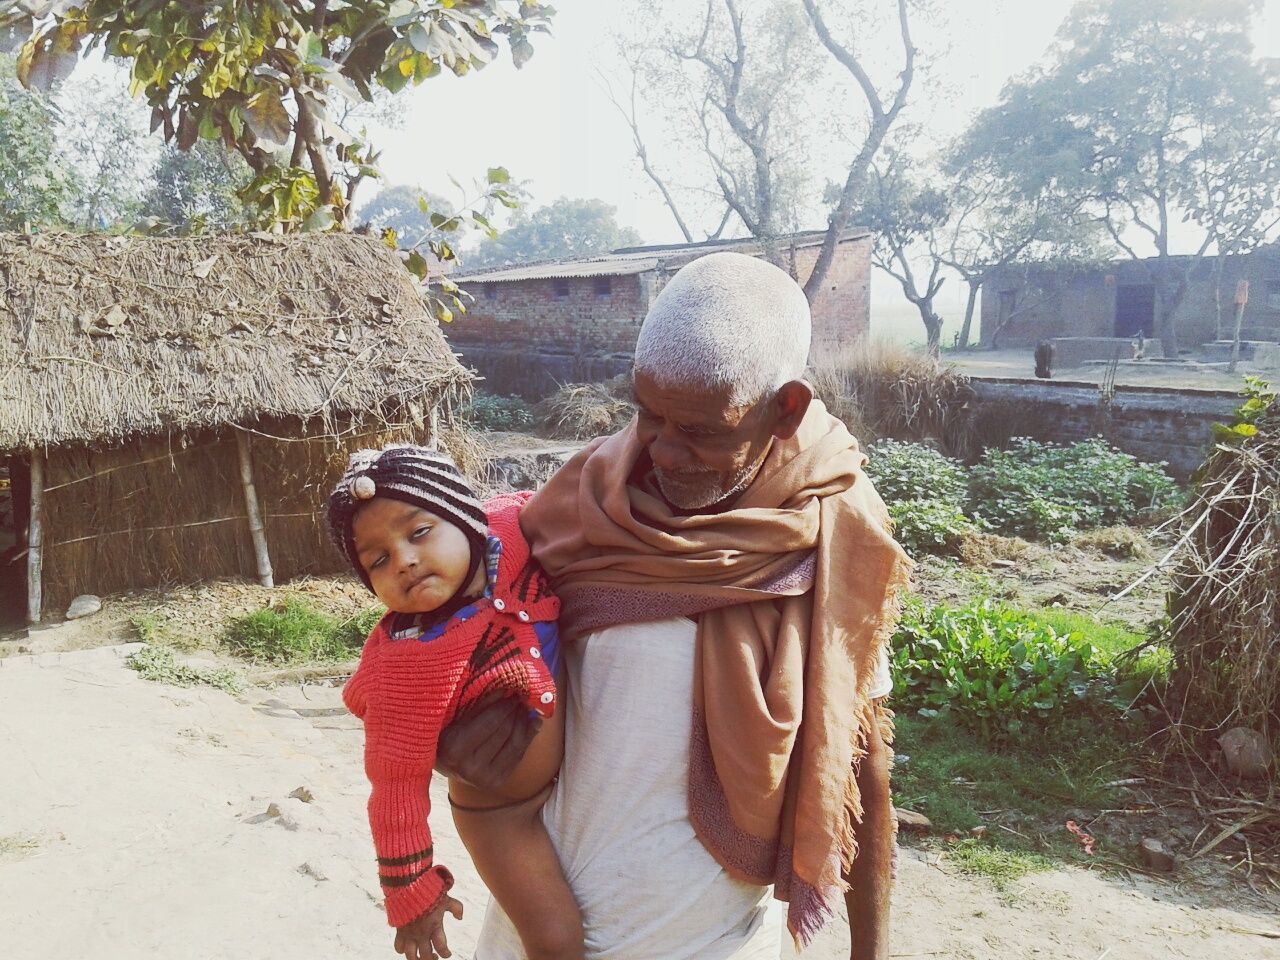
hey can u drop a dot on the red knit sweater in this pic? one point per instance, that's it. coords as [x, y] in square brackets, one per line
[407, 691]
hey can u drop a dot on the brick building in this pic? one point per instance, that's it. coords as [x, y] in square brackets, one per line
[1022, 305]
[535, 326]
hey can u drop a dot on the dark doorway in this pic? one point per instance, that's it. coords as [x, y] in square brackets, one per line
[1136, 310]
[15, 492]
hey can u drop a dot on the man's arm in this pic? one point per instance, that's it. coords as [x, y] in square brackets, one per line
[485, 746]
[871, 877]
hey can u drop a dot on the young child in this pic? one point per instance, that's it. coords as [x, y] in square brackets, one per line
[470, 615]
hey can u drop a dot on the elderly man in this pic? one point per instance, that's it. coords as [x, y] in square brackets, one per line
[728, 584]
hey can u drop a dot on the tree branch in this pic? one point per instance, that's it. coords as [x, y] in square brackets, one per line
[631, 117]
[881, 122]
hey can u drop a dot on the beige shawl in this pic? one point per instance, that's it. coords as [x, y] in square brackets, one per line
[795, 591]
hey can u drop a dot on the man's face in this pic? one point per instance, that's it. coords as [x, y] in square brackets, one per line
[415, 560]
[704, 449]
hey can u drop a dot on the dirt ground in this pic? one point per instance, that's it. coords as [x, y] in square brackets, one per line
[133, 824]
[1019, 363]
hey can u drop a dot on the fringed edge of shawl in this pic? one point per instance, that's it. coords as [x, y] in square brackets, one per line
[829, 888]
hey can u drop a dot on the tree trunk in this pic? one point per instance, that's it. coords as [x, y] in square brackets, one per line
[932, 325]
[35, 538]
[975, 283]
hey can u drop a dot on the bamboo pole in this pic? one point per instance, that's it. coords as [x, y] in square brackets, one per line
[265, 576]
[35, 536]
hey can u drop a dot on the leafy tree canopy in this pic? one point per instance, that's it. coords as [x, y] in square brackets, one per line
[272, 80]
[198, 189]
[406, 210]
[566, 228]
[35, 187]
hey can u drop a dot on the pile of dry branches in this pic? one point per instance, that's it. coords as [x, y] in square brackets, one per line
[1225, 602]
[584, 411]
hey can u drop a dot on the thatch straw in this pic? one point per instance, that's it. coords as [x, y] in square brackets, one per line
[163, 511]
[107, 338]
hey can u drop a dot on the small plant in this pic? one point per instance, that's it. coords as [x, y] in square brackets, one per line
[488, 411]
[352, 632]
[1045, 492]
[903, 471]
[996, 670]
[1002, 867]
[158, 663]
[292, 633]
[930, 526]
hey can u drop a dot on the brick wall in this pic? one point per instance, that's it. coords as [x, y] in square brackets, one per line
[842, 308]
[525, 312]
[1154, 424]
[525, 339]
[1083, 303]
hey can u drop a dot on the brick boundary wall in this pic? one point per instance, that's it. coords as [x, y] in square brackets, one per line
[1155, 424]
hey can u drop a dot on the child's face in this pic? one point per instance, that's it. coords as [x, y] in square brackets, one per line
[416, 561]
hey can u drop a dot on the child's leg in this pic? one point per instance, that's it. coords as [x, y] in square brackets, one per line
[513, 854]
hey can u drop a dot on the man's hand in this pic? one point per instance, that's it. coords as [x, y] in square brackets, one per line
[424, 939]
[485, 746]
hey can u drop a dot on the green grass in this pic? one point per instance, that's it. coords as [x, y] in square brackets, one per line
[16, 846]
[954, 777]
[1001, 866]
[296, 633]
[1113, 639]
[159, 664]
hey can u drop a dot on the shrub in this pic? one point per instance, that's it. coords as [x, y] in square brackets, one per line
[1046, 492]
[996, 670]
[488, 411]
[930, 526]
[292, 632]
[914, 471]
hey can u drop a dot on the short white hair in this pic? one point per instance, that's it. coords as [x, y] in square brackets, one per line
[727, 320]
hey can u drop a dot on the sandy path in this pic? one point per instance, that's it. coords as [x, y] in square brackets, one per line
[130, 828]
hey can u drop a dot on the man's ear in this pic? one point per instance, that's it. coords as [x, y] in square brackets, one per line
[790, 404]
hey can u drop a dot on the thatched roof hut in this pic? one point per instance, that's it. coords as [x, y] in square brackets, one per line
[151, 390]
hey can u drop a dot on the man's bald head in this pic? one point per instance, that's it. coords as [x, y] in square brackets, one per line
[730, 322]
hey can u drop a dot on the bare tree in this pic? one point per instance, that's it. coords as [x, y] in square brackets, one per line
[881, 117]
[750, 88]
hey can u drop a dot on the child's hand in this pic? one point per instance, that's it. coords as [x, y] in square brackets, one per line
[424, 938]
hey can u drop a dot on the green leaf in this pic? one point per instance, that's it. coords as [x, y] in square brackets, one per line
[320, 220]
[267, 118]
[498, 175]
[420, 38]
[310, 47]
[417, 264]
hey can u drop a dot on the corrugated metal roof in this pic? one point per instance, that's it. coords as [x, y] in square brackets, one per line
[602, 267]
[631, 260]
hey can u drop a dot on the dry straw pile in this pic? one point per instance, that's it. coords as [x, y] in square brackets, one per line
[1225, 604]
[584, 411]
[883, 390]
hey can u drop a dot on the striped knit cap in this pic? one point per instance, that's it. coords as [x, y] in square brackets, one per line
[416, 475]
